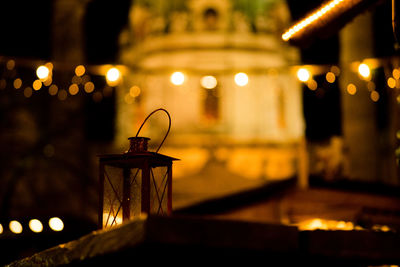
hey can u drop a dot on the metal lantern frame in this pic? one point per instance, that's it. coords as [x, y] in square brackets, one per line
[154, 191]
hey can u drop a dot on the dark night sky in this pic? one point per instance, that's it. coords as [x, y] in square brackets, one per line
[26, 33]
[26, 29]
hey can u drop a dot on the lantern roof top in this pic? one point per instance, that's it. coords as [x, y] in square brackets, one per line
[124, 159]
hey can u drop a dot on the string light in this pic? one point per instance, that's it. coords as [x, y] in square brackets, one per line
[36, 226]
[303, 75]
[330, 77]
[312, 84]
[62, 95]
[17, 83]
[391, 82]
[15, 227]
[351, 89]
[42, 72]
[81, 78]
[396, 73]
[37, 84]
[374, 96]
[56, 224]
[80, 70]
[28, 92]
[177, 78]
[89, 87]
[241, 79]
[208, 82]
[53, 89]
[364, 70]
[73, 89]
[113, 76]
[134, 91]
[310, 19]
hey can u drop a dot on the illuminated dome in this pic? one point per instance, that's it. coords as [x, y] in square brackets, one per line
[221, 69]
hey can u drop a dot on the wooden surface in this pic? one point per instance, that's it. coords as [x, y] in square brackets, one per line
[187, 240]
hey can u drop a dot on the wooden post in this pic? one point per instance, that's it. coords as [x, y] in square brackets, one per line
[302, 178]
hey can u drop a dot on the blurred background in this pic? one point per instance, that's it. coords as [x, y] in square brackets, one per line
[77, 78]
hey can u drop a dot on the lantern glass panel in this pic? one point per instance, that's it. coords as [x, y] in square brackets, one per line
[122, 194]
[159, 190]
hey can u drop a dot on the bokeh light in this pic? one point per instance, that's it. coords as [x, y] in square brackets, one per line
[208, 82]
[241, 79]
[15, 227]
[303, 75]
[177, 78]
[42, 72]
[35, 225]
[56, 224]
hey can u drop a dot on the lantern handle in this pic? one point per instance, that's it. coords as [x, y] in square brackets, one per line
[169, 125]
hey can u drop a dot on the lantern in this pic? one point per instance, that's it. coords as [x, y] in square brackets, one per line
[135, 182]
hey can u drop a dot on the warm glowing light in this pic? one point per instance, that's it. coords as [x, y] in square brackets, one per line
[28, 92]
[374, 96]
[364, 70]
[35, 225]
[37, 84]
[312, 84]
[10, 64]
[42, 72]
[398, 134]
[335, 70]
[109, 220]
[56, 224]
[62, 94]
[97, 96]
[1, 229]
[383, 228]
[303, 74]
[312, 224]
[17, 83]
[371, 86]
[396, 74]
[73, 89]
[113, 76]
[208, 82]
[53, 89]
[80, 70]
[391, 82]
[48, 81]
[322, 224]
[134, 91]
[128, 99]
[3, 83]
[76, 79]
[89, 87]
[15, 227]
[177, 78]
[351, 89]
[330, 77]
[310, 19]
[241, 79]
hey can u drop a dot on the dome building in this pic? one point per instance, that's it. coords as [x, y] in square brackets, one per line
[221, 69]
